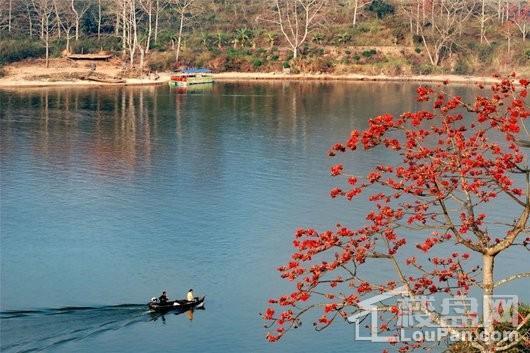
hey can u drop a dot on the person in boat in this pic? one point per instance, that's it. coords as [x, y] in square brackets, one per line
[190, 296]
[163, 299]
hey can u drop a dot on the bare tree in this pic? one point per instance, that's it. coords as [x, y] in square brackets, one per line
[99, 19]
[159, 6]
[29, 15]
[131, 29]
[131, 24]
[127, 27]
[44, 10]
[79, 13]
[296, 19]
[5, 22]
[406, 8]
[66, 20]
[357, 6]
[9, 6]
[483, 19]
[521, 17]
[183, 8]
[442, 30]
[148, 7]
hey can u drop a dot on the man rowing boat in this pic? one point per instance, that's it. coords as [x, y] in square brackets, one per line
[163, 299]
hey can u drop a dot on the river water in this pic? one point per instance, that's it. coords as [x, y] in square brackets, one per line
[111, 195]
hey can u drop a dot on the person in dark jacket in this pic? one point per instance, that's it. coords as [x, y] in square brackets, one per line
[163, 298]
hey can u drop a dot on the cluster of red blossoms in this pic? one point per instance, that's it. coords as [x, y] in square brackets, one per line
[454, 158]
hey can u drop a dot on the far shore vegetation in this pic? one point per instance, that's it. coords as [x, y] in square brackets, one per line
[377, 37]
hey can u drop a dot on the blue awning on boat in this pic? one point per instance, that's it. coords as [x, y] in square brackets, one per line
[196, 70]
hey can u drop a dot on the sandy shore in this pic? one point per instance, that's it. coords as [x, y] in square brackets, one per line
[62, 72]
[65, 73]
[22, 83]
[246, 76]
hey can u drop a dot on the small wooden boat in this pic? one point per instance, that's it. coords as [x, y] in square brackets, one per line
[103, 80]
[89, 56]
[178, 305]
[189, 77]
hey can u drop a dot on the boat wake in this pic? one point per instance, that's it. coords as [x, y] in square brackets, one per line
[41, 330]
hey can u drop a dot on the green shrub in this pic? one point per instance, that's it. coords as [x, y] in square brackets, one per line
[381, 8]
[369, 53]
[160, 61]
[527, 53]
[17, 49]
[94, 45]
[312, 51]
[318, 38]
[275, 57]
[417, 39]
[462, 67]
[417, 50]
[343, 38]
[257, 62]
[422, 69]
[233, 53]
[485, 53]
[164, 39]
[286, 65]
[362, 28]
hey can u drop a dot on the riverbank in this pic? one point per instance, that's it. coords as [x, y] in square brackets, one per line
[66, 73]
[8, 82]
[245, 76]
[62, 72]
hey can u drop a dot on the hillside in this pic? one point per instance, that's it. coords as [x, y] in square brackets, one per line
[423, 37]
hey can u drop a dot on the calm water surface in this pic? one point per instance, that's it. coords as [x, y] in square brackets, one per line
[110, 195]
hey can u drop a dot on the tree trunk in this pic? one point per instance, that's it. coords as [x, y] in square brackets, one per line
[99, 19]
[10, 15]
[76, 20]
[124, 31]
[57, 19]
[142, 56]
[149, 27]
[68, 41]
[179, 39]
[134, 29]
[47, 39]
[431, 59]
[483, 21]
[488, 262]
[156, 20]
[117, 25]
[30, 20]
[355, 7]
[418, 19]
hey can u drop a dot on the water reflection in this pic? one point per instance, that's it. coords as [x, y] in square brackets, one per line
[109, 130]
[189, 314]
[139, 188]
[119, 127]
[51, 328]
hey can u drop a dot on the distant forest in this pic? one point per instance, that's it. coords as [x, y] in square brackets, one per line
[395, 37]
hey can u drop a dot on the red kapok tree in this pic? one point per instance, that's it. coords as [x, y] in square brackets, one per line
[456, 161]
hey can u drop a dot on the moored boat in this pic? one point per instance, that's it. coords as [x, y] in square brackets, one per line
[178, 305]
[189, 77]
